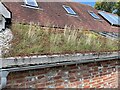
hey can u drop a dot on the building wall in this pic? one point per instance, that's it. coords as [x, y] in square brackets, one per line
[90, 75]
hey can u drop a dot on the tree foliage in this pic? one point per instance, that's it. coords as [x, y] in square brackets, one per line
[118, 7]
[107, 6]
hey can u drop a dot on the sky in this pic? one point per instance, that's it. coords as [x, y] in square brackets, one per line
[88, 2]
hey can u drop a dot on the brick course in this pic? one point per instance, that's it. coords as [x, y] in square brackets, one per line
[103, 74]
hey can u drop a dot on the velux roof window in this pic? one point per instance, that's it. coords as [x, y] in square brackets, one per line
[31, 3]
[93, 15]
[69, 10]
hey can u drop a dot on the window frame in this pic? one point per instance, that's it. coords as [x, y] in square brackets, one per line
[95, 17]
[27, 4]
[73, 12]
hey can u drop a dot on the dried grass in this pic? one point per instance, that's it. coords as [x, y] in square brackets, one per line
[35, 40]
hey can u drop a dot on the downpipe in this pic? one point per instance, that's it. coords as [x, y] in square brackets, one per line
[3, 79]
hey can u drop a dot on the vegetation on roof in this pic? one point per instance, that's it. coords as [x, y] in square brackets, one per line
[35, 40]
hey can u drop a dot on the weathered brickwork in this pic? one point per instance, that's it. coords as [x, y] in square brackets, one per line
[90, 75]
[119, 76]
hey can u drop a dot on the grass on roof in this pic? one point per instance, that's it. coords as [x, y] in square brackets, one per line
[34, 40]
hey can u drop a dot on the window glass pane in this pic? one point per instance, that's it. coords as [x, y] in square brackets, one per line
[31, 3]
[94, 15]
[69, 10]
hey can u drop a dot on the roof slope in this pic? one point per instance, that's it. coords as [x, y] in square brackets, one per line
[54, 14]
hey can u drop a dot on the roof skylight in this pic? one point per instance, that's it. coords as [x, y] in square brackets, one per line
[93, 15]
[69, 10]
[32, 3]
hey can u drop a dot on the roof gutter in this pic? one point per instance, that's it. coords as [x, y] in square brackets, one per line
[31, 67]
[50, 59]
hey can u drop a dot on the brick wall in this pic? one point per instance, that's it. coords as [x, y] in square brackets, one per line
[119, 76]
[90, 75]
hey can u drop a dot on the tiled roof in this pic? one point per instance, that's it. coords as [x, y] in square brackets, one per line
[54, 14]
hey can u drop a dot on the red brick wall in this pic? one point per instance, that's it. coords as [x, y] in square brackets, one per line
[89, 75]
[119, 77]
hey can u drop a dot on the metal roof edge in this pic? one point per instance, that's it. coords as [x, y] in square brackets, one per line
[27, 63]
[30, 67]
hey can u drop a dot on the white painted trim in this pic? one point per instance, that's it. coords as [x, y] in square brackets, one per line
[2, 23]
[72, 15]
[4, 11]
[32, 7]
